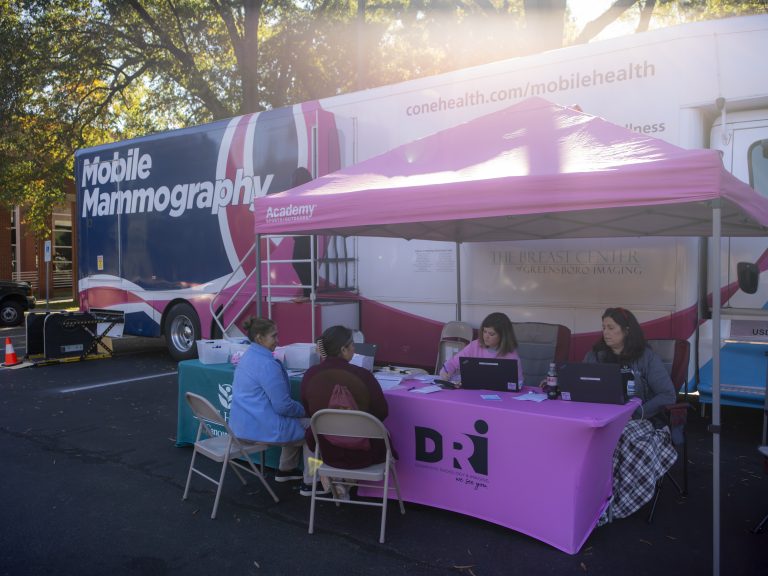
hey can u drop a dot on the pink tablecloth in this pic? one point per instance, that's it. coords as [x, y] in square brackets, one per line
[543, 469]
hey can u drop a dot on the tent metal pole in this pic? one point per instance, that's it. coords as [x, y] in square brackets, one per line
[458, 280]
[258, 275]
[715, 427]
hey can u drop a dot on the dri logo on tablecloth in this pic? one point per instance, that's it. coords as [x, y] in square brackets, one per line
[468, 451]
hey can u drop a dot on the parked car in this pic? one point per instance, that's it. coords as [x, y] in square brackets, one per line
[15, 298]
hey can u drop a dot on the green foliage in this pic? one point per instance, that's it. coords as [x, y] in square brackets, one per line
[79, 73]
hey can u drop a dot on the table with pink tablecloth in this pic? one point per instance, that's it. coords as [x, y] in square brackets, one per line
[543, 469]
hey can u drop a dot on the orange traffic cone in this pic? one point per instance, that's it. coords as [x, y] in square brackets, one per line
[10, 355]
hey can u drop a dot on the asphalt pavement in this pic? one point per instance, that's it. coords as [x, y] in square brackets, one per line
[91, 484]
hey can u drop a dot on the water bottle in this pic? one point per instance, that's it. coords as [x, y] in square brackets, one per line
[631, 386]
[552, 391]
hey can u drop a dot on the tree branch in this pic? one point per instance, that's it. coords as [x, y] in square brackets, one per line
[196, 83]
[593, 28]
[645, 15]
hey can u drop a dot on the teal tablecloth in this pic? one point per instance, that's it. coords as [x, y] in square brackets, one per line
[214, 383]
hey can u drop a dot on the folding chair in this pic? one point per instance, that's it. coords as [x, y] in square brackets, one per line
[675, 355]
[538, 344]
[221, 446]
[454, 337]
[763, 449]
[355, 424]
[760, 525]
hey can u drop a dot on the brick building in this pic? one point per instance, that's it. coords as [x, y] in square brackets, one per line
[22, 255]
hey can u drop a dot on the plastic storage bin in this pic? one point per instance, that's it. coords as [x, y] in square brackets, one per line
[236, 351]
[213, 351]
[299, 356]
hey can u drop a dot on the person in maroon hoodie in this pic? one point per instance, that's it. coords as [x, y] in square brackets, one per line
[316, 389]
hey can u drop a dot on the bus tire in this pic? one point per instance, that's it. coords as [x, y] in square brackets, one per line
[182, 330]
[216, 332]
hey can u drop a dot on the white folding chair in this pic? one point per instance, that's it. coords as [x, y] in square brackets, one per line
[453, 338]
[221, 446]
[355, 424]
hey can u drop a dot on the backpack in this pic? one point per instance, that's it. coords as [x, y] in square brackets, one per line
[342, 399]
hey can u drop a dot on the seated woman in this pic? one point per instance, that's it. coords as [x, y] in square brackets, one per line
[644, 452]
[317, 387]
[497, 340]
[262, 408]
[623, 343]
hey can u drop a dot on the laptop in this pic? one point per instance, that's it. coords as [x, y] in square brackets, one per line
[365, 353]
[499, 374]
[365, 349]
[587, 382]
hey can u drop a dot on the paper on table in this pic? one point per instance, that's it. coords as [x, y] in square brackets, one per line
[427, 389]
[389, 384]
[388, 376]
[490, 396]
[389, 381]
[532, 396]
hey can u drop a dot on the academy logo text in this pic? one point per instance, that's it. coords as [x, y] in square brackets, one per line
[131, 169]
[290, 213]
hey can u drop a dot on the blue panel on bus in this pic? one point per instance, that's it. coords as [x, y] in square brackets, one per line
[140, 324]
[178, 203]
[742, 375]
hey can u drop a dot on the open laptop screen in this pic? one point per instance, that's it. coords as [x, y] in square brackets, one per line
[365, 349]
[498, 374]
[589, 382]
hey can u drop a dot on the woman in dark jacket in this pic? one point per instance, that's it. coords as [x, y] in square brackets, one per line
[316, 389]
[623, 343]
[644, 452]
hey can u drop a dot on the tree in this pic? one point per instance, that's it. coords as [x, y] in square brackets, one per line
[34, 149]
[545, 21]
[82, 72]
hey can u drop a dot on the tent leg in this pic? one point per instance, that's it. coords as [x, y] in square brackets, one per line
[715, 427]
[458, 281]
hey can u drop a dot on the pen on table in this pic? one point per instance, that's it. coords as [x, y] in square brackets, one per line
[411, 388]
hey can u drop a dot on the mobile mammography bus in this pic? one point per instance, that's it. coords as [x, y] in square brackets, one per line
[165, 219]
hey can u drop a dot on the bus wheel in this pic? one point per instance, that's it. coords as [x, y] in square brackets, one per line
[182, 329]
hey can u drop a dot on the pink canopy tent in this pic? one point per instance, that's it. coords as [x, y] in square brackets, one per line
[534, 170]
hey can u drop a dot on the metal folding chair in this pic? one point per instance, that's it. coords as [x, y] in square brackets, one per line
[761, 525]
[354, 424]
[221, 445]
[763, 449]
[675, 355]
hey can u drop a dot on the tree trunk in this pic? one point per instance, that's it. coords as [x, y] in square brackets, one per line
[545, 22]
[360, 69]
[599, 24]
[250, 63]
[645, 15]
